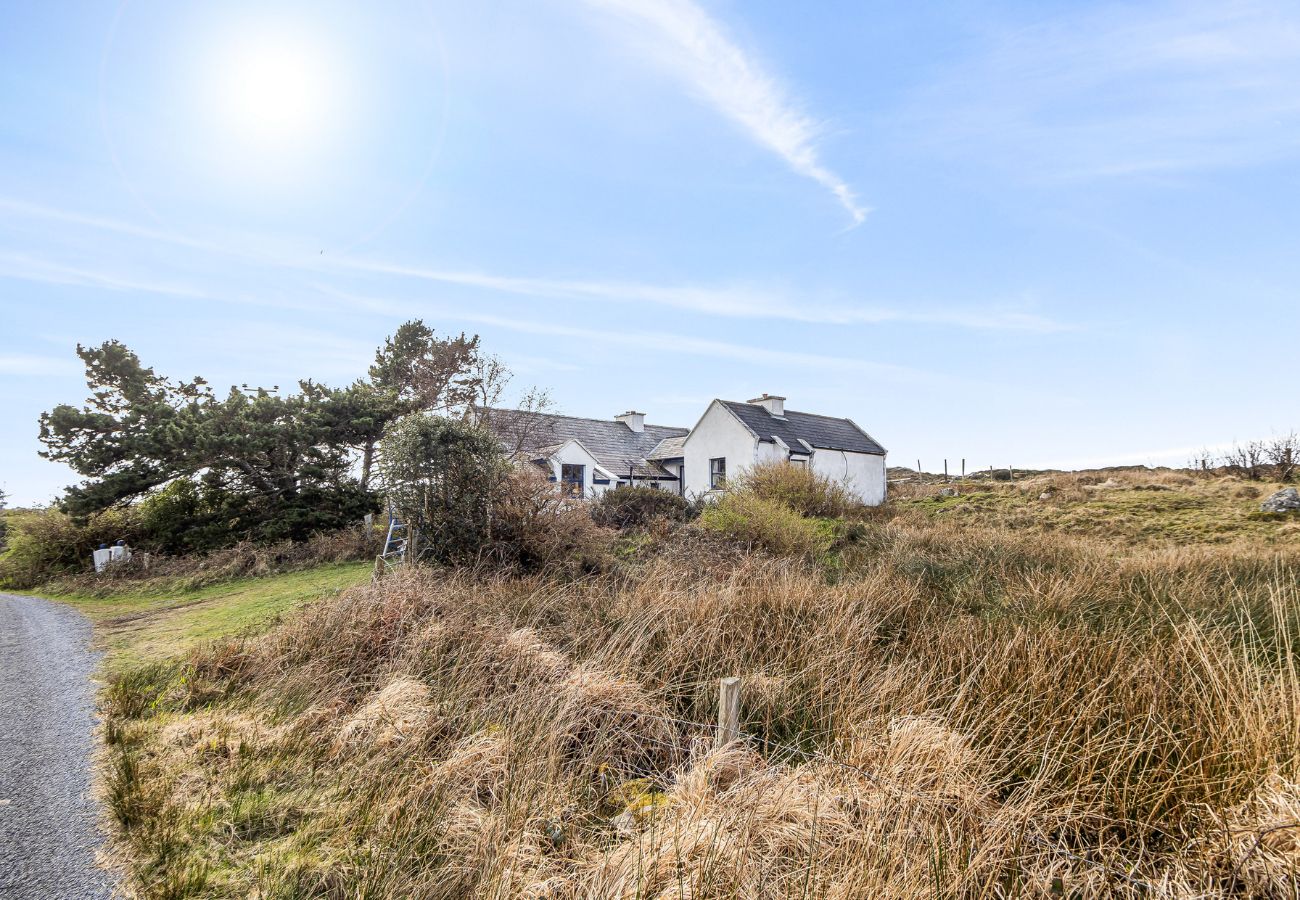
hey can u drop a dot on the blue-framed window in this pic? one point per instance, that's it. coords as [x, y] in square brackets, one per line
[572, 477]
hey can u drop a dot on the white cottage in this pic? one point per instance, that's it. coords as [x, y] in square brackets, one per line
[731, 437]
[591, 455]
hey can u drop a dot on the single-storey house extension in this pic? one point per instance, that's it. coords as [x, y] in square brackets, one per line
[589, 456]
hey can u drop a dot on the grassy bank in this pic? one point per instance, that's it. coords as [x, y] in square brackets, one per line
[136, 625]
[954, 710]
[1128, 507]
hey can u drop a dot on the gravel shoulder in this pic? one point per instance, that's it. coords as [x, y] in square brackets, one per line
[49, 819]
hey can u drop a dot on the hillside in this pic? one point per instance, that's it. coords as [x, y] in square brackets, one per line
[1132, 507]
[981, 695]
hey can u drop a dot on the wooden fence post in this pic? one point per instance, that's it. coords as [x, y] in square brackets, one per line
[728, 712]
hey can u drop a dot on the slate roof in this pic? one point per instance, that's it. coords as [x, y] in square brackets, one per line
[669, 448]
[617, 447]
[821, 432]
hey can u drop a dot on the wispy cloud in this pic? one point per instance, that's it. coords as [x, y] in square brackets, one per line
[29, 210]
[696, 49]
[665, 342]
[744, 302]
[29, 268]
[738, 301]
[1123, 90]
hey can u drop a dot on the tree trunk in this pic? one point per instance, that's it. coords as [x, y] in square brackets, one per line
[367, 462]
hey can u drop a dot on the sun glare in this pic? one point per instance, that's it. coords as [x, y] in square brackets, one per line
[273, 92]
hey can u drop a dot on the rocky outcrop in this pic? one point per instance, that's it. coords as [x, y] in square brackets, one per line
[1285, 500]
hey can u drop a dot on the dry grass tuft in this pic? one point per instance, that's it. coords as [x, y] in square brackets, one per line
[951, 711]
[393, 714]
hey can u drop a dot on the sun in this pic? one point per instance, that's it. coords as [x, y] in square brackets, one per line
[272, 92]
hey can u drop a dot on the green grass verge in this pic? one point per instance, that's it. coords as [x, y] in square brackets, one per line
[134, 628]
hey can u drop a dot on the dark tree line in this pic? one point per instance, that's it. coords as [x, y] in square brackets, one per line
[205, 469]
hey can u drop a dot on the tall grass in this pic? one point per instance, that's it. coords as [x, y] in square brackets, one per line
[961, 712]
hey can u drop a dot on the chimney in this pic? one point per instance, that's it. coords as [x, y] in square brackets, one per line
[775, 406]
[633, 420]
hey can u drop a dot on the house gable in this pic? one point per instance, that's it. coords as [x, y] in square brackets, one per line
[719, 434]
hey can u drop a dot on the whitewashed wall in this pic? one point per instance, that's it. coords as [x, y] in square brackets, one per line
[719, 433]
[572, 453]
[863, 473]
[771, 452]
[676, 469]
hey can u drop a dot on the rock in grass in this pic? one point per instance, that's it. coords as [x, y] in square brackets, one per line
[1285, 500]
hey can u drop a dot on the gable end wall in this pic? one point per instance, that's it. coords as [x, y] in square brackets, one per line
[718, 433]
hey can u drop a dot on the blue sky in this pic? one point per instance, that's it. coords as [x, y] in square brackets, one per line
[1019, 233]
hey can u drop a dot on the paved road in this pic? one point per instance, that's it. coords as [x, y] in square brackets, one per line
[48, 819]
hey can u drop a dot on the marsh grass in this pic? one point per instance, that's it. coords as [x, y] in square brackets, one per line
[956, 711]
[1132, 506]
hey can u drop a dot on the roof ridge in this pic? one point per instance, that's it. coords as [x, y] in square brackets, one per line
[800, 412]
[788, 411]
[551, 415]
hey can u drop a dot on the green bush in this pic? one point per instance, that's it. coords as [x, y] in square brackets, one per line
[628, 508]
[444, 477]
[806, 492]
[760, 523]
[45, 544]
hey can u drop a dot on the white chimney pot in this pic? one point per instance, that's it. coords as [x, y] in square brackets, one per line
[774, 405]
[633, 420]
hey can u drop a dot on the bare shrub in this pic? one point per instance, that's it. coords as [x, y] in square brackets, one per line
[1283, 454]
[627, 508]
[1277, 458]
[535, 526]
